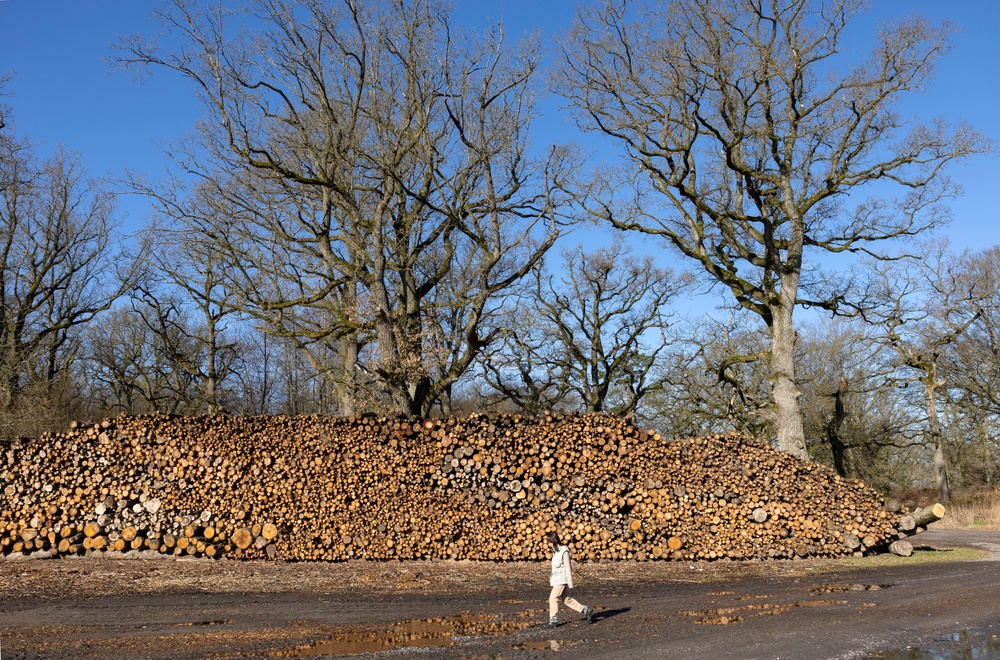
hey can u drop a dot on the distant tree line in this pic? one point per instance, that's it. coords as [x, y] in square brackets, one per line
[364, 222]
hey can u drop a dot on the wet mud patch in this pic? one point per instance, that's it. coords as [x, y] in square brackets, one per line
[546, 645]
[726, 615]
[149, 640]
[194, 624]
[962, 645]
[844, 588]
[435, 632]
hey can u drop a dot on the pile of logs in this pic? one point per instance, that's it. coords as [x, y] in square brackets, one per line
[481, 487]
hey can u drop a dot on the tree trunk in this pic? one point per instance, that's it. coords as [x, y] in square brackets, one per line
[788, 415]
[9, 394]
[937, 441]
[347, 383]
[445, 400]
[941, 473]
[420, 391]
[833, 428]
[265, 375]
[211, 372]
[986, 451]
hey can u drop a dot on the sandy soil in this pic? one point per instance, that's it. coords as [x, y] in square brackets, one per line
[162, 608]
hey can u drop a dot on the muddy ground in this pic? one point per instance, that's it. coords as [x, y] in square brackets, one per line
[162, 608]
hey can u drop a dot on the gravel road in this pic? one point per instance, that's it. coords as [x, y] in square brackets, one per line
[117, 609]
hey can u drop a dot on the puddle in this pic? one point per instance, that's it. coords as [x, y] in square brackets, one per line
[545, 645]
[820, 603]
[841, 588]
[963, 645]
[222, 622]
[721, 616]
[438, 632]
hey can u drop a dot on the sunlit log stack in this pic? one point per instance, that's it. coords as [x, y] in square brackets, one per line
[482, 488]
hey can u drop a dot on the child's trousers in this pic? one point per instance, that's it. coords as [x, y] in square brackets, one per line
[571, 602]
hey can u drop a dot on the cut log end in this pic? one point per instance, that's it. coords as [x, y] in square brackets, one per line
[901, 548]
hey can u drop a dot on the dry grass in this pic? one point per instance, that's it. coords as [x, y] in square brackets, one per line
[978, 509]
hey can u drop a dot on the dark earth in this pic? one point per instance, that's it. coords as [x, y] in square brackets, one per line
[943, 602]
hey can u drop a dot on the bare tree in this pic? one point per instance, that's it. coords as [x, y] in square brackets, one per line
[714, 378]
[58, 264]
[518, 369]
[598, 326]
[4, 110]
[921, 308]
[855, 414]
[746, 127]
[188, 287]
[972, 365]
[370, 150]
[974, 358]
[825, 373]
[126, 372]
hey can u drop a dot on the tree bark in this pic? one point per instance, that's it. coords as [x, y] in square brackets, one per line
[788, 416]
[833, 428]
[347, 387]
[347, 383]
[937, 441]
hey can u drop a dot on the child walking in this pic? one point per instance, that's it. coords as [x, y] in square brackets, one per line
[561, 580]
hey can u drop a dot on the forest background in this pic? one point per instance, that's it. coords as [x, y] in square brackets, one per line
[463, 227]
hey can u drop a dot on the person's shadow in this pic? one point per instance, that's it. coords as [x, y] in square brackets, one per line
[607, 614]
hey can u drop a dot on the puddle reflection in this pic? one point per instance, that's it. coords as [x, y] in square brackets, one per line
[437, 632]
[721, 616]
[841, 588]
[221, 622]
[963, 645]
[545, 645]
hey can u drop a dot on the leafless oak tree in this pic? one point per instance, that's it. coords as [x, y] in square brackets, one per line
[922, 307]
[58, 265]
[714, 378]
[974, 358]
[371, 150]
[750, 139]
[597, 326]
[189, 302]
[854, 410]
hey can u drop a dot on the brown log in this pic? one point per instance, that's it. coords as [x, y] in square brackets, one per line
[901, 548]
[928, 514]
[242, 538]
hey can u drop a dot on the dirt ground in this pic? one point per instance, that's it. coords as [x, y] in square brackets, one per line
[886, 608]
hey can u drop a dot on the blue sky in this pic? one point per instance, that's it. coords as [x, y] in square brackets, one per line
[63, 92]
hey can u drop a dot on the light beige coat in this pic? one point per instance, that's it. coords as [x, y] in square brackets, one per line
[562, 569]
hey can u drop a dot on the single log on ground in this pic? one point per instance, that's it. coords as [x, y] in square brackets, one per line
[921, 517]
[901, 548]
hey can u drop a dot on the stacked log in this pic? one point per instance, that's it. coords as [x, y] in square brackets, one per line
[481, 487]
